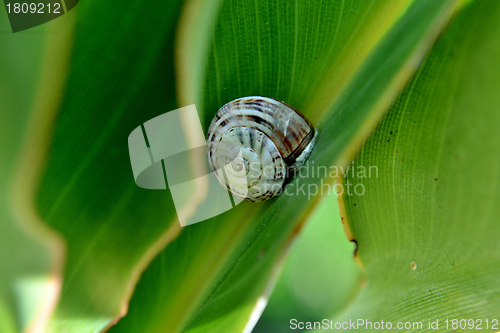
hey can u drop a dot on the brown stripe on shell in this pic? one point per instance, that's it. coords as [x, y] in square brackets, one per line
[290, 159]
[270, 116]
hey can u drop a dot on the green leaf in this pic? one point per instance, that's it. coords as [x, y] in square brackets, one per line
[319, 277]
[427, 227]
[217, 275]
[30, 254]
[120, 74]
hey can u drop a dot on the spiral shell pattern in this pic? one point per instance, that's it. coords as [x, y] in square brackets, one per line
[256, 144]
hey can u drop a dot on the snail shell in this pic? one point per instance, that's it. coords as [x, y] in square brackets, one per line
[256, 144]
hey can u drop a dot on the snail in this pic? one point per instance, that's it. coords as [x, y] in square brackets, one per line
[256, 145]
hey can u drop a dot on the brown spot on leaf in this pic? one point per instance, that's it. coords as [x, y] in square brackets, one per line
[262, 253]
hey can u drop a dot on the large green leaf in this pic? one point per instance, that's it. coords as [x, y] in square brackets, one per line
[319, 277]
[31, 74]
[120, 75]
[217, 274]
[427, 227]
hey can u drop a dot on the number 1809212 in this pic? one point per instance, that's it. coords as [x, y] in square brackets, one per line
[39, 8]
